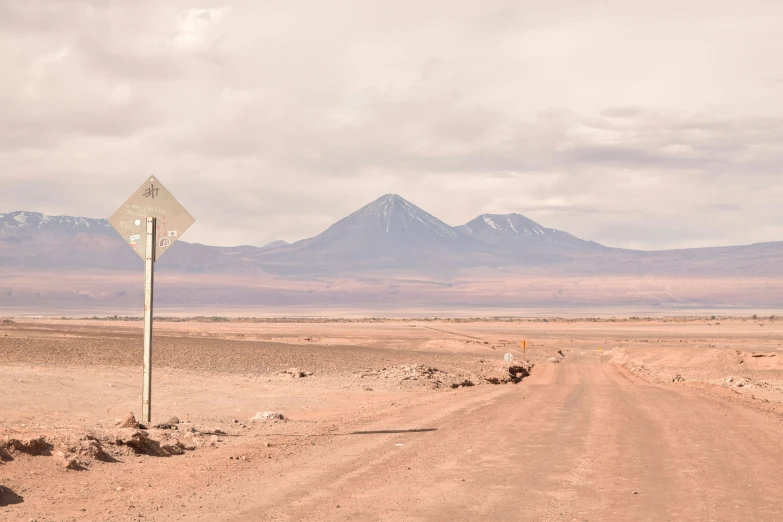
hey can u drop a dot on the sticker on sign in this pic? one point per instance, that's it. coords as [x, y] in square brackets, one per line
[151, 200]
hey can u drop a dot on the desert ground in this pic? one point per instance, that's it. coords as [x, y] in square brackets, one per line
[609, 420]
[504, 292]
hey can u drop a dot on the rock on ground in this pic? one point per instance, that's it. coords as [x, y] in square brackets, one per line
[130, 422]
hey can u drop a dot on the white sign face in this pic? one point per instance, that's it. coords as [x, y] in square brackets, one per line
[151, 200]
[508, 357]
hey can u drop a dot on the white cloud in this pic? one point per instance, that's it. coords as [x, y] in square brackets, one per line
[195, 27]
[650, 125]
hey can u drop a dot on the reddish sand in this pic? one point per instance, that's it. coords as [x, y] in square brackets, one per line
[667, 420]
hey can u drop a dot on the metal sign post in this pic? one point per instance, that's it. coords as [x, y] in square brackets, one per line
[523, 344]
[154, 212]
[149, 277]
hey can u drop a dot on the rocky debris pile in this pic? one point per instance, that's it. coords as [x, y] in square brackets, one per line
[90, 447]
[166, 426]
[417, 374]
[419, 371]
[429, 376]
[678, 378]
[78, 451]
[140, 443]
[514, 374]
[737, 382]
[296, 373]
[746, 382]
[268, 416]
[519, 371]
[34, 446]
[78, 454]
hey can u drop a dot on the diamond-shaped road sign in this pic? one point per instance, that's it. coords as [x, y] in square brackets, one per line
[151, 200]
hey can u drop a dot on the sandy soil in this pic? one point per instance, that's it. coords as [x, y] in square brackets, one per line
[632, 420]
[57, 293]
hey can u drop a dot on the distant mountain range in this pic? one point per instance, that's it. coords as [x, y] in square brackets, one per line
[390, 233]
[388, 240]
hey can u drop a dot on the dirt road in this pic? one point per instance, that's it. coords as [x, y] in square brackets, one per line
[581, 440]
[376, 431]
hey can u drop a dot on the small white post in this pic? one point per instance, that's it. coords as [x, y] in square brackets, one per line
[149, 271]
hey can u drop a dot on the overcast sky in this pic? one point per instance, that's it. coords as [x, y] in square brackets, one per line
[634, 124]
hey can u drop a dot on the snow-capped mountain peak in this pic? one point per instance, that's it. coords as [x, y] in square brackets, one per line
[23, 223]
[517, 231]
[511, 224]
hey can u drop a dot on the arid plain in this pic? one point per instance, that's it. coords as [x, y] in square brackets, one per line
[626, 419]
